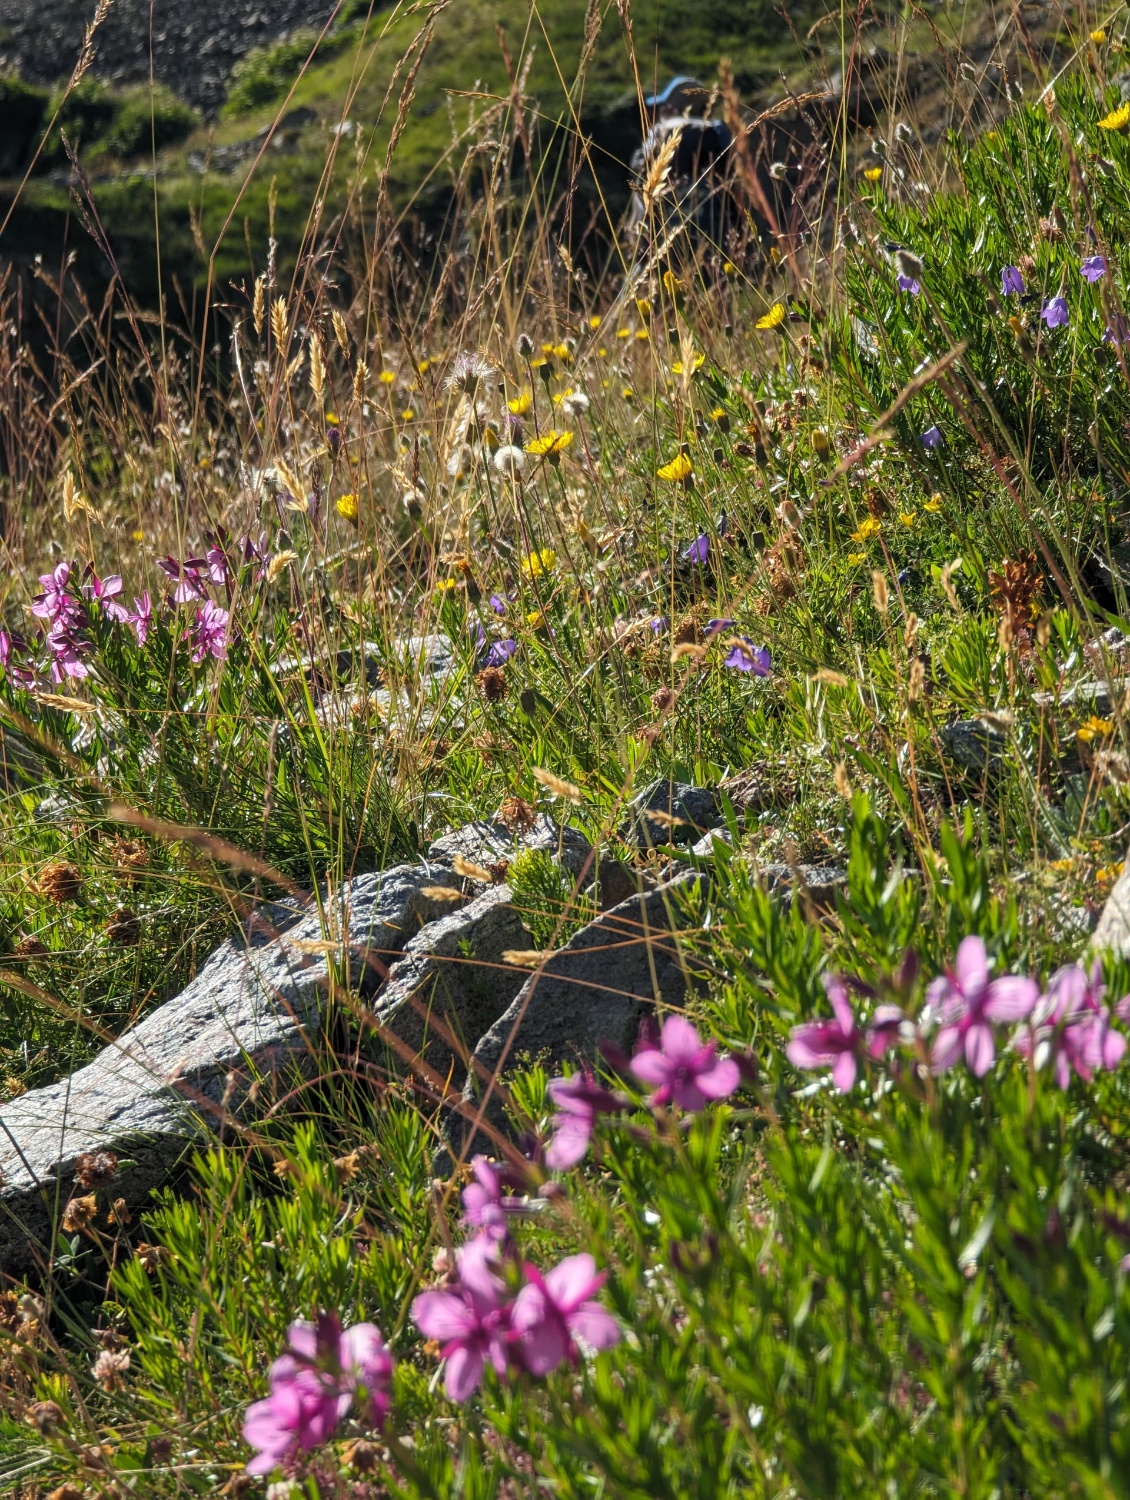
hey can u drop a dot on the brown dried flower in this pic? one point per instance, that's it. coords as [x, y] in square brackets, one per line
[516, 815]
[109, 1368]
[130, 857]
[1016, 589]
[360, 1455]
[60, 882]
[120, 1213]
[124, 928]
[93, 1168]
[79, 1212]
[492, 684]
[152, 1256]
[44, 1416]
[67, 1490]
[30, 947]
[662, 699]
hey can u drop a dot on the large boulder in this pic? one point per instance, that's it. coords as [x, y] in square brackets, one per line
[255, 1008]
[489, 841]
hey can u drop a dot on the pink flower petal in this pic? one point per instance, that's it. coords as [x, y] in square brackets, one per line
[595, 1325]
[572, 1280]
[651, 1067]
[719, 1081]
[979, 1049]
[443, 1316]
[1011, 998]
[947, 1048]
[971, 966]
[843, 1072]
[680, 1041]
[464, 1371]
[571, 1136]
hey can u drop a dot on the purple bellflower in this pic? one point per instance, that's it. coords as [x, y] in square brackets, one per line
[699, 549]
[1055, 313]
[1094, 268]
[932, 438]
[1012, 283]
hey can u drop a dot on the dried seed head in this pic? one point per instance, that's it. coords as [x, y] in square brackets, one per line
[516, 815]
[341, 333]
[120, 1213]
[317, 369]
[469, 870]
[841, 782]
[109, 1368]
[259, 304]
[360, 376]
[910, 633]
[279, 326]
[79, 1212]
[44, 1416]
[947, 584]
[879, 589]
[93, 1168]
[60, 882]
[124, 928]
[556, 785]
[917, 680]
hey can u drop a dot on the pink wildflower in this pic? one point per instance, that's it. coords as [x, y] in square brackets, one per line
[579, 1099]
[485, 1205]
[552, 1311]
[684, 1068]
[209, 632]
[471, 1321]
[835, 1044]
[312, 1387]
[141, 617]
[968, 1003]
[1071, 1027]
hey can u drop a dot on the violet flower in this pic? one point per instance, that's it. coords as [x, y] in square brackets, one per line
[498, 604]
[1117, 331]
[835, 1044]
[932, 438]
[683, 1069]
[552, 1311]
[716, 627]
[909, 284]
[744, 656]
[209, 632]
[1012, 283]
[141, 617]
[312, 1387]
[1055, 313]
[1071, 1027]
[499, 653]
[186, 576]
[471, 1321]
[968, 1003]
[1094, 268]
[699, 549]
[579, 1099]
[659, 624]
[485, 1206]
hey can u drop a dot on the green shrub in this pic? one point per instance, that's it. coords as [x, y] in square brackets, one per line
[266, 73]
[148, 119]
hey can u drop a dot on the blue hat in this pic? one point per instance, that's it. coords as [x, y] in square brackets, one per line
[672, 91]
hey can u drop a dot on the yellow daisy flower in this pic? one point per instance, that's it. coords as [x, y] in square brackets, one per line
[678, 469]
[520, 404]
[697, 364]
[444, 585]
[773, 318]
[538, 564]
[407, 415]
[1098, 37]
[872, 174]
[388, 377]
[641, 333]
[550, 444]
[595, 321]
[347, 507]
[729, 268]
[1118, 119]
[623, 333]
[933, 505]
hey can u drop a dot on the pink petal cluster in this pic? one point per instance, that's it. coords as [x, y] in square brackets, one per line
[966, 1003]
[839, 1043]
[477, 1321]
[684, 1070]
[313, 1386]
[1071, 1026]
[485, 1206]
[209, 632]
[579, 1100]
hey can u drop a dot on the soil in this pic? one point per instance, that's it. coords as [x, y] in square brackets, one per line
[194, 45]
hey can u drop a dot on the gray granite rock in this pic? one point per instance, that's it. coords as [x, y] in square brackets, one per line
[695, 807]
[254, 1009]
[598, 985]
[452, 971]
[486, 842]
[819, 883]
[1112, 932]
[974, 744]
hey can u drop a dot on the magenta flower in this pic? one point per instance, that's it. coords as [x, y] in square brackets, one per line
[1071, 1027]
[1055, 313]
[1094, 268]
[699, 549]
[1012, 283]
[209, 632]
[485, 1205]
[552, 1311]
[835, 1044]
[579, 1099]
[55, 603]
[683, 1069]
[312, 1387]
[744, 656]
[187, 576]
[968, 1003]
[932, 438]
[471, 1321]
[104, 591]
[141, 617]
[218, 570]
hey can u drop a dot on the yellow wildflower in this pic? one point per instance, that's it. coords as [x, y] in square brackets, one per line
[387, 377]
[444, 585]
[1118, 119]
[721, 418]
[520, 404]
[407, 415]
[424, 366]
[1098, 37]
[602, 352]
[644, 306]
[872, 174]
[562, 351]
[696, 364]
[1062, 866]
[139, 536]
[868, 528]
[536, 618]
[773, 318]
[671, 284]
[933, 505]
[907, 517]
[332, 419]
[595, 320]
[729, 268]
[628, 394]
[1107, 873]
[641, 333]
[347, 507]
[1095, 728]
[550, 444]
[678, 469]
[855, 558]
[623, 333]
[538, 564]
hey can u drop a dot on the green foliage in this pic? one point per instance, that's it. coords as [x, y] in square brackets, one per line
[543, 893]
[266, 73]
